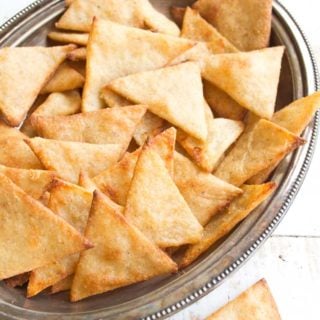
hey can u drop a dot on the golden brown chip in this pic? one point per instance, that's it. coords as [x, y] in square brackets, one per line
[86, 182]
[222, 223]
[250, 78]
[204, 193]
[72, 203]
[155, 205]
[64, 79]
[24, 71]
[68, 158]
[115, 182]
[256, 149]
[124, 254]
[62, 285]
[255, 303]
[59, 103]
[246, 23]
[69, 37]
[31, 235]
[115, 51]
[79, 54]
[32, 182]
[173, 93]
[111, 125]
[18, 280]
[139, 13]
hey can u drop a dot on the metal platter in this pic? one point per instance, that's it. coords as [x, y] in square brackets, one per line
[161, 297]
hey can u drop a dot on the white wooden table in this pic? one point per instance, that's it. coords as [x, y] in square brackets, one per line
[290, 259]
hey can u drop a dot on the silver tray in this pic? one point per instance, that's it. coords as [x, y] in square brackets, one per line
[161, 297]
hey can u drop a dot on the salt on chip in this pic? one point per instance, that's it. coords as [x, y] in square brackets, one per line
[65, 78]
[138, 13]
[246, 23]
[295, 117]
[24, 71]
[173, 93]
[256, 149]
[156, 207]
[31, 235]
[250, 78]
[33, 182]
[79, 54]
[111, 125]
[115, 51]
[122, 253]
[72, 203]
[69, 37]
[222, 223]
[255, 303]
[58, 103]
[67, 158]
[204, 193]
[115, 181]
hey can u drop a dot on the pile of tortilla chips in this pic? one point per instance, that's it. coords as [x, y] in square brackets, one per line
[134, 147]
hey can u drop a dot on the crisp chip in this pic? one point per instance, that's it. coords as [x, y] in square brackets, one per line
[129, 259]
[69, 37]
[79, 54]
[62, 285]
[222, 223]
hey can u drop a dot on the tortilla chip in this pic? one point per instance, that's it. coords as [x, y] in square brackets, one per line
[65, 78]
[7, 132]
[256, 150]
[31, 232]
[140, 14]
[72, 203]
[115, 181]
[222, 223]
[45, 197]
[79, 54]
[86, 182]
[24, 71]
[242, 74]
[112, 125]
[64, 103]
[204, 193]
[62, 285]
[194, 27]
[156, 207]
[68, 2]
[109, 56]
[221, 103]
[130, 259]
[246, 23]
[32, 182]
[173, 93]
[255, 303]
[68, 158]
[295, 117]
[18, 280]
[69, 37]
[177, 14]
[222, 133]
[113, 100]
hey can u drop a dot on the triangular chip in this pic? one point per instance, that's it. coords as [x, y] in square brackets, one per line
[68, 158]
[174, 93]
[222, 133]
[295, 117]
[33, 182]
[256, 150]
[115, 182]
[24, 71]
[222, 223]
[250, 78]
[62, 285]
[69, 37]
[31, 235]
[64, 103]
[256, 303]
[156, 207]
[138, 13]
[246, 23]
[72, 203]
[111, 125]
[79, 54]
[65, 78]
[112, 264]
[204, 193]
[109, 56]
[86, 182]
